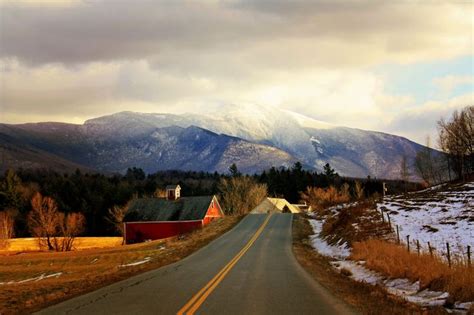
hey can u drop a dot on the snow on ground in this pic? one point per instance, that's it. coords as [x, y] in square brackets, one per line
[136, 263]
[38, 278]
[340, 251]
[404, 288]
[437, 215]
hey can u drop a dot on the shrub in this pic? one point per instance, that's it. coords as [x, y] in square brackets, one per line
[320, 198]
[6, 228]
[239, 195]
[53, 229]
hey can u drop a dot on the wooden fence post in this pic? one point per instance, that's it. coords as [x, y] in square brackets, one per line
[449, 255]
[430, 249]
[418, 247]
[383, 218]
[398, 235]
[408, 243]
[389, 221]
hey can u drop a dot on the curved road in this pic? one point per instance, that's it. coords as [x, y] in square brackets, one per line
[249, 270]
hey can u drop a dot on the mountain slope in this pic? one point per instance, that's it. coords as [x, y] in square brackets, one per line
[352, 152]
[254, 137]
[151, 148]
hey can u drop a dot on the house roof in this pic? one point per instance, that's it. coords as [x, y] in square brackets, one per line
[155, 209]
[172, 187]
[274, 205]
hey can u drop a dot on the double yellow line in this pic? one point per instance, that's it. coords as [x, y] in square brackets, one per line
[196, 301]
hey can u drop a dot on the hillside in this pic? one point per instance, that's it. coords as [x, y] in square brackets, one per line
[352, 152]
[255, 138]
[151, 149]
[439, 215]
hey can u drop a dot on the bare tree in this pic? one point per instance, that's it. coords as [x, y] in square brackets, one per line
[359, 191]
[43, 220]
[424, 164]
[6, 228]
[70, 226]
[115, 216]
[404, 172]
[239, 195]
[456, 138]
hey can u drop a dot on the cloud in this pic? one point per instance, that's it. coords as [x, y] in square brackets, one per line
[70, 60]
[300, 32]
[419, 122]
[448, 83]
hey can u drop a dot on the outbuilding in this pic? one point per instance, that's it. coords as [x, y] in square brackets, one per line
[158, 218]
[275, 205]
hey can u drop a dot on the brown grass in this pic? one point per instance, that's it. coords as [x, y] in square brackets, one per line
[87, 270]
[395, 261]
[365, 298]
[322, 198]
[17, 245]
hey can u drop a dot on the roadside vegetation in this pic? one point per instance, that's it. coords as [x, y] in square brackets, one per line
[363, 297]
[433, 273]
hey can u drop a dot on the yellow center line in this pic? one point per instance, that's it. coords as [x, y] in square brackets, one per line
[196, 301]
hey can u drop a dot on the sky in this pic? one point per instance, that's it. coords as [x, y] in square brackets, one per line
[392, 66]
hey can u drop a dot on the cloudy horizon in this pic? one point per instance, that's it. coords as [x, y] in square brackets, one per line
[395, 67]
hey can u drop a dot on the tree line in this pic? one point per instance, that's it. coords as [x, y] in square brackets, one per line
[96, 200]
[456, 141]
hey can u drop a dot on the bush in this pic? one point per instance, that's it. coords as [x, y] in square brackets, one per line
[321, 198]
[53, 229]
[239, 195]
[6, 228]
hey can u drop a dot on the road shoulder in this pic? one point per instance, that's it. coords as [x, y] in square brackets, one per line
[363, 297]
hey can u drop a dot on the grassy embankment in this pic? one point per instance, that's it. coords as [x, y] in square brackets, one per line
[363, 297]
[78, 272]
[373, 241]
[361, 227]
[394, 261]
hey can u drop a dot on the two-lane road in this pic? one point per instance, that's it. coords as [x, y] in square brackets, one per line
[249, 270]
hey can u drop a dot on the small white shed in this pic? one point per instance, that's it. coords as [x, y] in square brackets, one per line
[275, 205]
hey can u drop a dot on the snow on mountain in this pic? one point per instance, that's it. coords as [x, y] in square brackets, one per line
[114, 147]
[352, 152]
[279, 136]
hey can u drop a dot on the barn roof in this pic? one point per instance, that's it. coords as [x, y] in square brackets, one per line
[172, 187]
[155, 209]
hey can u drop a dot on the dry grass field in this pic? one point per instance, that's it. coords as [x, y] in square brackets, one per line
[31, 244]
[395, 262]
[33, 280]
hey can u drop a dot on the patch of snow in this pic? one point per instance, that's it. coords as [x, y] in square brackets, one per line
[404, 288]
[38, 278]
[341, 251]
[437, 217]
[136, 263]
[358, 271]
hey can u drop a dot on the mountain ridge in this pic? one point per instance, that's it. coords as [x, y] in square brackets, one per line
[255, 138]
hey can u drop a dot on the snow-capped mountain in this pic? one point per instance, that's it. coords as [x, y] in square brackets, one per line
[254, 137]
[114, 149]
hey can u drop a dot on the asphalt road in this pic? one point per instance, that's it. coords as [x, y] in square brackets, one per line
[256, 274]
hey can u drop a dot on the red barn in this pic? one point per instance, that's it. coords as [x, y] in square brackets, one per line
[157, 218]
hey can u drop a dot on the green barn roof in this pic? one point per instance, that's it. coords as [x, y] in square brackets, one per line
[156, 209]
